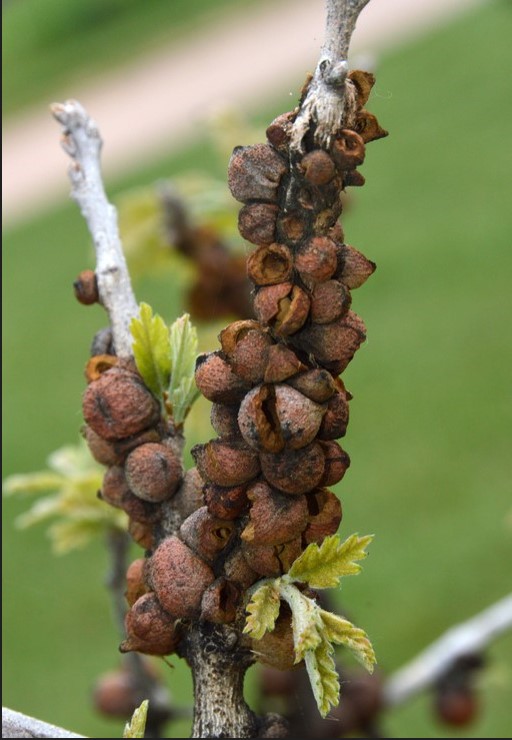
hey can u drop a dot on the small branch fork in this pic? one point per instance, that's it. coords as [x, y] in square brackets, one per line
[330, 99]
[16, 724]
[82, 141]
[460, 640]
[463, 639]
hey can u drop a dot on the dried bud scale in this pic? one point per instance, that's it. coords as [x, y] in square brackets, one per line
[86, 288]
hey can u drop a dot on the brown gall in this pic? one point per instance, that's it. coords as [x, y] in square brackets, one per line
[273, 517]
[254, 173]
[226, 464]
[179, 578]
[118, 405]
[294, 471]
[257, 222]
[205, 534]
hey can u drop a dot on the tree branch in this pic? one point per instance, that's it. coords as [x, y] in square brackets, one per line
[462, 639]
[16, 724]
[330, 99]
[82, 141]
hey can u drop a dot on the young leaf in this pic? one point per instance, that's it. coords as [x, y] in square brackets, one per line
[323, 566]
[263, 610]
[306, 620]
[74, 479]
[151, 349]
[323, 677]
[32, 482]
[342, 632]
[182, 390]
[137, 725]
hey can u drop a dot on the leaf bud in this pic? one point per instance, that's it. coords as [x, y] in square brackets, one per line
[86, 288]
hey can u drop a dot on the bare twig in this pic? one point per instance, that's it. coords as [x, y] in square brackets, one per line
[466, 638]
[330, 97]
[16, 724]
[118, 545]
[82, 141]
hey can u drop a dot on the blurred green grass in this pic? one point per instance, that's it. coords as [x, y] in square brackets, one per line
[430, 427]
[48, 43]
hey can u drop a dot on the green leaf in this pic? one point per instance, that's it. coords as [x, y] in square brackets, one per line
[323, 566]
[137, 726]
[32, 482]
[315, 631]
[151, 349]
[342, 632]
[323, 677]
[263, 610]
[182, 390]
[306, 621]
[74, 534]
[73, 479]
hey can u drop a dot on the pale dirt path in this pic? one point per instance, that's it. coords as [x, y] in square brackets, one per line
[158, 102]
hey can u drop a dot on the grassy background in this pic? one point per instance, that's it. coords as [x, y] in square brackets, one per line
[430, 428]
[50, 43]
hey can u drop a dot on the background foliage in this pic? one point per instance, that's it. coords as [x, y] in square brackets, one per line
[430, 430]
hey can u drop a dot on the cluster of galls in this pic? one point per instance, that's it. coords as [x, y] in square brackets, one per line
[125, 431]
[279, 404]
[259, 494]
